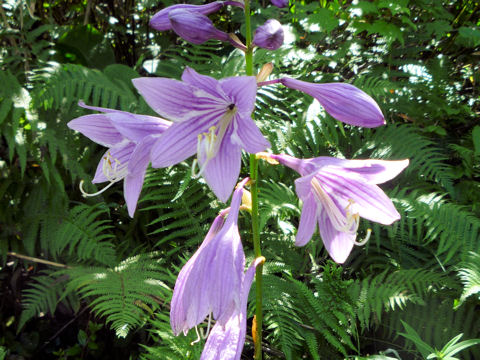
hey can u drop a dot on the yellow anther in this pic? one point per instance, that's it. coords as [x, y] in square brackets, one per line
[246, 201]
[266, 156]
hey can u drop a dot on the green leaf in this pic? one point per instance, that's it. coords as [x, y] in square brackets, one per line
[413, 336]
[325, 18]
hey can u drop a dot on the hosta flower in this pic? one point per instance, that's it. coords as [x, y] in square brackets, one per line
[336, 193]
[269, 35]
[226, 341]
[161, 21]
[280, 3]
[194, 27]
[211, 118]
[342, 101]
[211, 281]
[129, 138]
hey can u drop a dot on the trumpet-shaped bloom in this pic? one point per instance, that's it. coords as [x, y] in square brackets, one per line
[226, 341]
[129, 138]
[194, 27]
[269, 35]
[161, 21]
[211, 281]
[336, 193]
[342, 101]
[211, 118]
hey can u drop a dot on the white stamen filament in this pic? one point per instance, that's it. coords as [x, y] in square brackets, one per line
[113, 174]
[364, 241]
[345, 223]
[209, 143]
[200, 334]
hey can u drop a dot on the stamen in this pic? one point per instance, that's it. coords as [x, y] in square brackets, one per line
[85, 194]
[364, 241]
[208, 326]
[209, 143]
[113, 174]
[198, 337]
[345, 223]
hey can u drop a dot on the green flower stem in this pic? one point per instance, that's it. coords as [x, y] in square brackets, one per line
[254, 191]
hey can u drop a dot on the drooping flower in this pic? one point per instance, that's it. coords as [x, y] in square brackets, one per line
[161, 21]
[194, 27]
[129, 138]
[211, 281]
[336, 193]
[280, 3]
[342, 101]
[226, 341]
[211, 118]
[269, 35]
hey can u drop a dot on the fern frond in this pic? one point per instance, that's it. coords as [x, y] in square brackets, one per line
[125, 295]
[469, 274]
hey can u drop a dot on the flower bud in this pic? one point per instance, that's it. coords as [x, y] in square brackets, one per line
[342, 101]
[161, 22]
[269, 35]
[194, 27]
[280, 3]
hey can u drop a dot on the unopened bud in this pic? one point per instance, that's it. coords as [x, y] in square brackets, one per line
[269, 35]
[264, 72]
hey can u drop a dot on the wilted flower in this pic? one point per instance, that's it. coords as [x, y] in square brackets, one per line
[129, 138]
[269, 35]
[336, 193]
[212, 118]
[226, 341]
[343, 101]
[280, 3]
[211, 281]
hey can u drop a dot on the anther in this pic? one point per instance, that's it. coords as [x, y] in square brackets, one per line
[364, 241]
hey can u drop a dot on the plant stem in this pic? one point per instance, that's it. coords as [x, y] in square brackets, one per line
[254, 191]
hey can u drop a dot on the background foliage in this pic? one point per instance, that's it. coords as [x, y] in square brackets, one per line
[103, 288]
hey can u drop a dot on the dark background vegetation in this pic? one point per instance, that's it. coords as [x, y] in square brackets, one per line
[103, 292]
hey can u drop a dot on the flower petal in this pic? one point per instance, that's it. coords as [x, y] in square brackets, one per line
[137, 166]
[369, 200]
[372, 171]
[338, 244]
[206, 83]
[248, 136]
[221, 172]
[98, 128]
[308, 221]
[136, 127]
[269, 35]
[194, 27]
[181, 304]
[242, 90]
[343, 101]
[179, 141]
[161, 22]
[176, 100]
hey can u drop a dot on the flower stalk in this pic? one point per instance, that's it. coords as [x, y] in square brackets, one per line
[257, 335]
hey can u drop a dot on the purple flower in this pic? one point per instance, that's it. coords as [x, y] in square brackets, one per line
[336, 193]
[269, 35]
[212, 118]
[280, 3]
[194, 27]
[211, 281]
[226, 341]
[342, 101]
[160, 21]
[129, 138]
